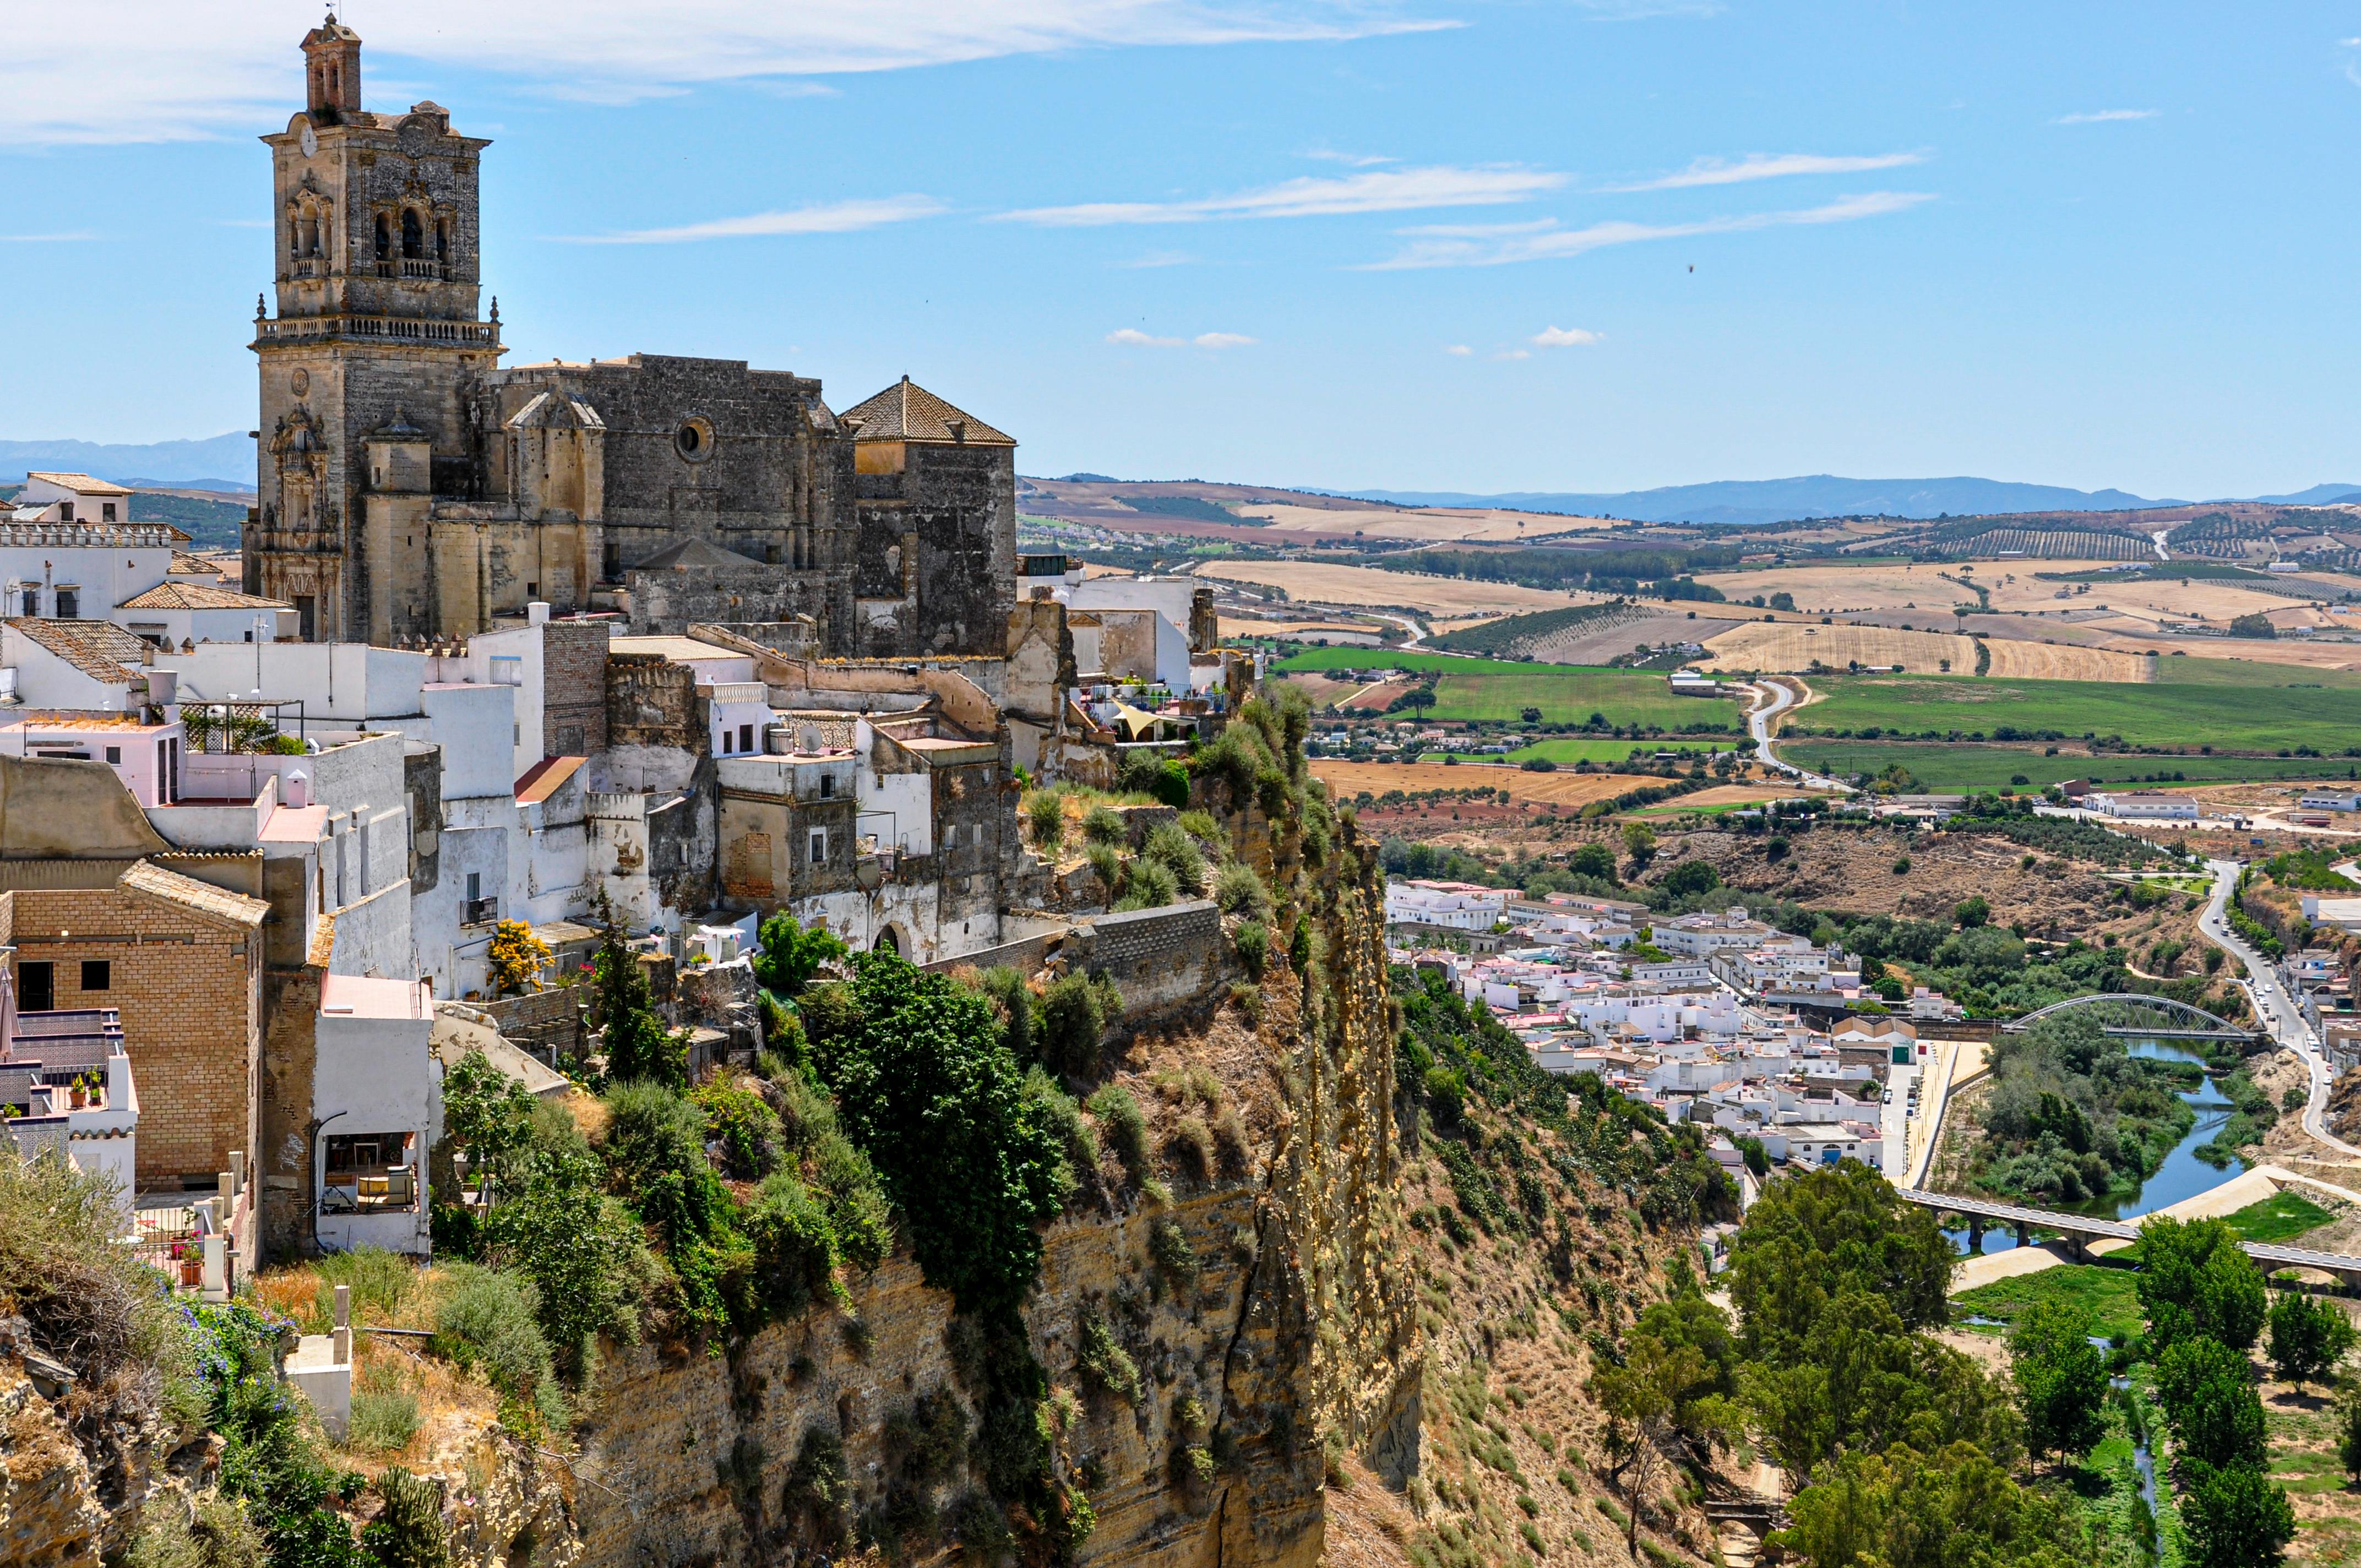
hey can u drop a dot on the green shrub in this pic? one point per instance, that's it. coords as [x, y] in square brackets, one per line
[1168, 846]
[747, 1128]
[1106, 865]
[381, 1282]
[795, 1246]
[1075, 1013]
[1127, 1129]
[818, 1490]
[789, 956]
[1102, 1361]
[1200, 825]
[490, 1321]
[213, 1531]
[382, 1421]
[637, 1044]
[1045, 810]
[859, 1213]
[408, 1531]
[584, 1252]
[1240, 891]
[1104, 825]
[1252, 940]
[1063, 1115]
[1151, 885]
[1167, 1244]
[1005, 985]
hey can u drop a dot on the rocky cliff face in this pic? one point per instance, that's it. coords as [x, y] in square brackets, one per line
[1248, 1367]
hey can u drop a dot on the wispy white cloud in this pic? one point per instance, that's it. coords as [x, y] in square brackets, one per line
[1771, 166]
[65, 238]
[1457, 350]
[1379, 190]
[174, 71]
[830, 217]
[1565, 337]
[1356, 160]
[2102, 117]
[1556, 243]
[1132, 337]
[1514, 354]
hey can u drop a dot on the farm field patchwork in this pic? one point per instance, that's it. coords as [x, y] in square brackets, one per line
[1319, 582]
[1566, 751]
[1965, 767]
[2255, 708]
[1346, 781]
[1570, 696]
[1792, 646]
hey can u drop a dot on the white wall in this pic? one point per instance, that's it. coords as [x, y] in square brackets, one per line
[379, 1073]
[105, 577]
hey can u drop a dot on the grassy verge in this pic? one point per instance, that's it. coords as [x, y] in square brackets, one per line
[2106, 1293]
[1943, 766]
[2280, 1217]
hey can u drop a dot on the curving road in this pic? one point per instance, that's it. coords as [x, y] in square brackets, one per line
[1778, 700]
[2273, 1006]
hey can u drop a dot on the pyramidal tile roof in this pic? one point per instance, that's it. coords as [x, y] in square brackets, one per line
[907, 411]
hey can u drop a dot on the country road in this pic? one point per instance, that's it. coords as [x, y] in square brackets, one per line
[1778, 700]
[2277, 1012]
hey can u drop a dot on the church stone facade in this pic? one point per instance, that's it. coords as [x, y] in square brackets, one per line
[414, 489]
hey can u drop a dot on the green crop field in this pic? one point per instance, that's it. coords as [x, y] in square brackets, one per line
[2107, 1294]
[2282, 1216]
[1315, 658]
[1566, 695]
[2194, 702]
[1964, 767]
[1565, 753]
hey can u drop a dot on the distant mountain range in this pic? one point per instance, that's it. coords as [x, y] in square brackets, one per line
[1821, 495]
[212, 464]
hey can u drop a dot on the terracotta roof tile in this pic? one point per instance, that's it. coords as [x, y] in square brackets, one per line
[79, 484]
[202, 898]
[907, 411]
[199, 595]
[99, 649]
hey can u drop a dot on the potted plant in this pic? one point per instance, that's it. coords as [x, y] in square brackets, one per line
[79, 1093]
[191, 1264]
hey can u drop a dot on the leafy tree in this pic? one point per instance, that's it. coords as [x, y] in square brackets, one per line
[1640, 840]
[582, 1249]
[2233, 1517]
[487, 1114]
[1828, 1232]
[2308, 1337]
[1860, 1382]
[2209, 1397]
[789, 956]
[1075, 1013]
[2193, 1280]
[1639, 1398]
[638, 1045]
[2062, 1379]
[926, 1086]
[1529, 714]
[1689, 877]
[1906, 1509]
[1972, 912]
[2348, 1430]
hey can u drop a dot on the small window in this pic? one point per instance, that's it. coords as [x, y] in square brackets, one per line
[115, 754]
[819, 846]
[745, 737]
[827, 786]
[694, 440]
[65, 511]
[69, 604]
[106, 511]
[98, 974]
[475, 886]
[37, 986]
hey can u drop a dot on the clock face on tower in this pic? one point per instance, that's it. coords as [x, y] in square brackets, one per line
[311, 143]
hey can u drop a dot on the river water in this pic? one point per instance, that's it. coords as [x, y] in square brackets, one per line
[2181, 1176]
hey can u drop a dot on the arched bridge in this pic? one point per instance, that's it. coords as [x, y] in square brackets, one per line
[2136, 1016]
[2081, 1229]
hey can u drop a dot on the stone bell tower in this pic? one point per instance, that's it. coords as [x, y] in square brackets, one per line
[377, 329]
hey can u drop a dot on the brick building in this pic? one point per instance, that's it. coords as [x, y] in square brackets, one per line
[180, 961]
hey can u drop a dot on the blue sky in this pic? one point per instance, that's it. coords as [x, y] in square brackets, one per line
[1432, 244]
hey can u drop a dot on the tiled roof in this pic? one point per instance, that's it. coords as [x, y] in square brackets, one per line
[99, 649]
[202, 898]
[79, 484]
[185, 564]
[907, 411]
[545, 777]
[693, 553]
[198, 596]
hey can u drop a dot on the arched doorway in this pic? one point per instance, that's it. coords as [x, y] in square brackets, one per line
[888, 941]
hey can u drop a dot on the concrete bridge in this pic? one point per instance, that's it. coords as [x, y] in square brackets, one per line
[2080, 1230]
